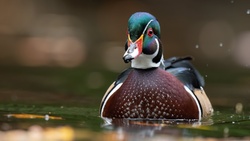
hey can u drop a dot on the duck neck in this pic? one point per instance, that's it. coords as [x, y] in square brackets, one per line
[144, 62]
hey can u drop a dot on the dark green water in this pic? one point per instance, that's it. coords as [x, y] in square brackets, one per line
[224, 124]
[64, 93]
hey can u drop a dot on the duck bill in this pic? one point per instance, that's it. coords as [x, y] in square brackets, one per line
[134, 49]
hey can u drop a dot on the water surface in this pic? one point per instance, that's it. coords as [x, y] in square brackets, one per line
[44, 108]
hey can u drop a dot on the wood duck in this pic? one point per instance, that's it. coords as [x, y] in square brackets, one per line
[154, 88]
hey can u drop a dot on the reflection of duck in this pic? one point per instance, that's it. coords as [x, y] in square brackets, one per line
[127, 129]
[154, 88]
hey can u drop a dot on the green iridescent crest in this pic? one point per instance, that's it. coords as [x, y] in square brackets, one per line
[137, 23]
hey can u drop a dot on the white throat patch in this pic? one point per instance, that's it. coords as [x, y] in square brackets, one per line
[144, 61]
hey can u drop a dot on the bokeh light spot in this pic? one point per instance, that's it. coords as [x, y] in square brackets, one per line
[215, 39]
[241, 49]
[112, 57]
[47, 51]
[34, 51]
[68, 52]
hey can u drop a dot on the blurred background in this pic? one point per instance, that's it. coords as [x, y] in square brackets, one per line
[69, 52]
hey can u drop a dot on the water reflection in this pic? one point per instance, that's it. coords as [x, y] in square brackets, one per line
[38, 133]
[138, 128]
[88, 126]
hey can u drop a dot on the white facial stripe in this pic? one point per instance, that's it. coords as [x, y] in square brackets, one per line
[109, 95]
[147, 26]
[195, 99]
[158, 46]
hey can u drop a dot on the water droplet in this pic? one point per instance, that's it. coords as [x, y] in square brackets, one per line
[206, 65]
[206, 75]
[46, 117]
[221, 45]
[232, 1]
[248, 11]
[197, 46]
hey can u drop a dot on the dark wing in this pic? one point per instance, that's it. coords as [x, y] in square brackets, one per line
[115, 85]
[123, 76]
[184, 71]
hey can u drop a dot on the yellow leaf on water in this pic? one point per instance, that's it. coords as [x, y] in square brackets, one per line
[33, 116]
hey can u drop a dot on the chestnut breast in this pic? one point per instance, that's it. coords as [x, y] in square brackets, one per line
[151, 94]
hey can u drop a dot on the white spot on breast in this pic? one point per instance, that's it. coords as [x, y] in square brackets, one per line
[129, 103]
[153, 102]
[126, 114]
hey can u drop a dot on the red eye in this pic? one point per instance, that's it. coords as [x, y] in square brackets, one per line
[150, 32]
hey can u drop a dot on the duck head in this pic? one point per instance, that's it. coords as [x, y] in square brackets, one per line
[143, 46]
